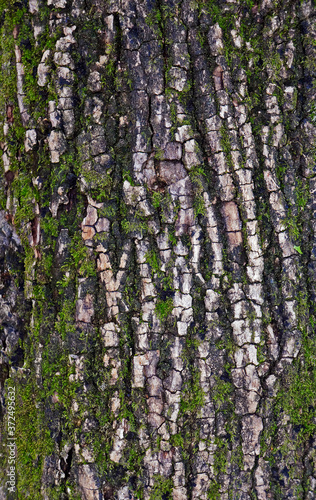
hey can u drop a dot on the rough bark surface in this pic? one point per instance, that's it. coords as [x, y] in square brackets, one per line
[158, 248]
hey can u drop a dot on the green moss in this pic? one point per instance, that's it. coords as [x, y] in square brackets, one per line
[261, 352]
[198, 175]
[99, 185]
[53, 288]
[32, 438]
[172, 237]
[156, 200]
[220, 456]
[159, 154]
[298, 399]
[177, 440]
[213, 492]
[295, 216]
[135, 225]
[11, 17]
[199, 205]
[65, 319]
[164, 279]
[164, 308]
[154, 261]
[80, 257]
[225, 143]
[50, 226]
[162, 489]
[127, 177]
[26, 195]
[221, 392]
[192, 397]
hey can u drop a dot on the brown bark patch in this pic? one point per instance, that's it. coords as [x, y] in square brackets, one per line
[171, 172]
[218, 78]
[231, 216]
[10, 118]
[9, 176]
[35, 228]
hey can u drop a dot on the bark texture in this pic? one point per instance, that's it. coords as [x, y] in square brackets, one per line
[158, 248]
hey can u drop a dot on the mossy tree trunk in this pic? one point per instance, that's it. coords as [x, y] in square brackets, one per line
[158, 249]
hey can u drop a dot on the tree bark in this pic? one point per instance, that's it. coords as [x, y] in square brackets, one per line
[158, 249]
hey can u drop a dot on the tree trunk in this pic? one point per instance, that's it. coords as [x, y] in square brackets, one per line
[158, 249]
